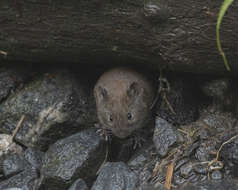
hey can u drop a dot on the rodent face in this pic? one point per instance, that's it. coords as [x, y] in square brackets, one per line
[123, 114]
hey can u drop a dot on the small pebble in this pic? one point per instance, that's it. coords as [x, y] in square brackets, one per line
[216, 175]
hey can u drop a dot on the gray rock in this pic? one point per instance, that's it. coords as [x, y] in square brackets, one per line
[79, 184]
[212, 185]
[50, 103]
[142, 162]
[34, 157]
[26, 180]
[115, 176]
[152, 187]
[14, 164]
[182, 99]
[77, 156]
[164, 136]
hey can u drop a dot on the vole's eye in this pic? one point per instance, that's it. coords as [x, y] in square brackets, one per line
[129, 116]
[110, 118]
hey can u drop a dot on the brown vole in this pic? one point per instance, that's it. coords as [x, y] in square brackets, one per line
[123, 100]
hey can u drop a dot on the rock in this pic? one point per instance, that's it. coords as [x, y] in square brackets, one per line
[216, 88]
[34, 157]
[26, 180]
[152, 187]
[142, 162]
[164, 136]
[200, 168]
[77, 156]
[115, 176]
[182, 99]
[186, 170]
[220, 91]
[230, 155]
[217, 121]
[14, 164]
[212, 185]
[180, 163]
[7, 146]
[51, 103]
[10, 79]
[216, 175]
[203, 153]
[79, 184]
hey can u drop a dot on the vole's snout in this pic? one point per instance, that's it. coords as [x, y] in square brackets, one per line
[121, 134]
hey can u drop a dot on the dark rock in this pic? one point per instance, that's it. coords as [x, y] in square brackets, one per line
[142, 162]
[186, 170]
[77, 156]
[51, 103]
[220, 91]
[34, 157]
[229, 153]
[182, 99]
[79, 184]
[178, 180]
[191, 149]
[26, 180]
[9, 81]
[14, 164]
[115, 176]
[212, 185]
[180, 163]
[164, 137]
[200, 168]
[216, 88]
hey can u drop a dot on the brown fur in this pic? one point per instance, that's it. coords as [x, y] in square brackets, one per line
[123, 99]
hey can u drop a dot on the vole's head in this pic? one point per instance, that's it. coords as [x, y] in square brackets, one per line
[122, 109]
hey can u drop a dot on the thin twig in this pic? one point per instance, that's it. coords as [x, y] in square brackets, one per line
[17, 128]
[168, 104]
[226, 142]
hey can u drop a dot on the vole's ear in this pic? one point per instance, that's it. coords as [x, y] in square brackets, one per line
[102, 93]
[133, 90]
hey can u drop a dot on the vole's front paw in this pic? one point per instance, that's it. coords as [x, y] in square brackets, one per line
[105, 133]
[136, 141]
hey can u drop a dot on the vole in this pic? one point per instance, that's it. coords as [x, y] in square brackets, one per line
[123, 101]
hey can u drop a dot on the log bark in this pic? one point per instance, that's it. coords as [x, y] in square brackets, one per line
[177, 34]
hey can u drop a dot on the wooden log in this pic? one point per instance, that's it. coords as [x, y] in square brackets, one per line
[177, 34]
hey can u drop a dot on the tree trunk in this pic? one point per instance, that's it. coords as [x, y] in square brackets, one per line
[177, 34]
